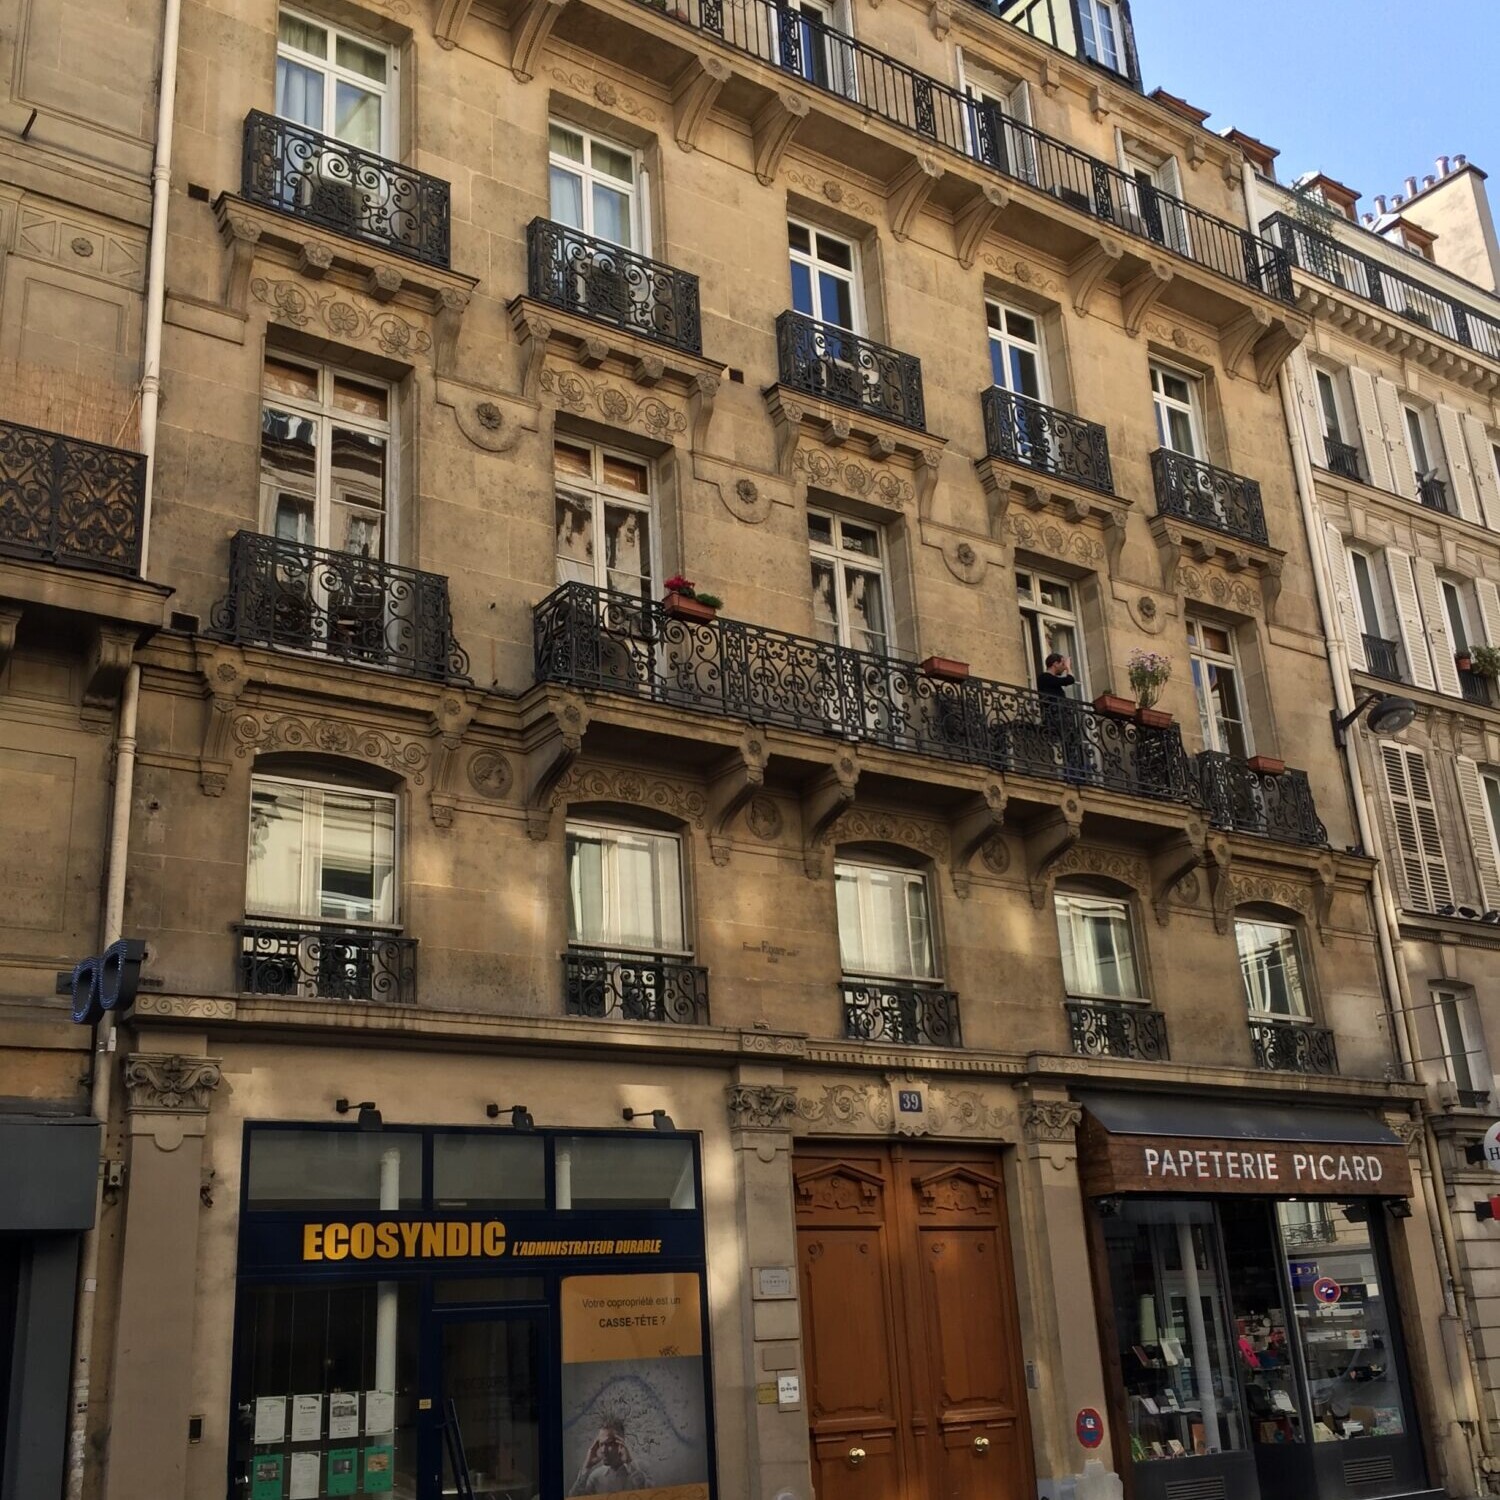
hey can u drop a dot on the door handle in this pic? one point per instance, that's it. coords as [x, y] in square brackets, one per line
[856, 1457]
[982, 1446]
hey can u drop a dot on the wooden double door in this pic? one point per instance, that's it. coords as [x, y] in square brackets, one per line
[916, 1386]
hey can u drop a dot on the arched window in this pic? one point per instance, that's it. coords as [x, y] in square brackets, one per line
[1097, 935]
[1272, 968]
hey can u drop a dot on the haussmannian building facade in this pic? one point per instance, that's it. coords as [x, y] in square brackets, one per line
[595, 1039]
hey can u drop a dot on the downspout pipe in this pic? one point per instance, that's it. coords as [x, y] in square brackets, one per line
[102, 1093]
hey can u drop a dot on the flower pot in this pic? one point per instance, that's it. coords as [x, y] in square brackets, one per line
[1153, 718]
[946, 666]
[1267, 765]
[1463, 661]
[685, 607]
[1112, 703]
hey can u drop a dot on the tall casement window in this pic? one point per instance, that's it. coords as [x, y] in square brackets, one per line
[1018, 361]
[1103, 34]
[996, 118]
[1155, 197]
[1340, 453]
[625, 890]
[1271, 967]
[810, 39]
[885, 922]
[1426, 450]
[1097, 937]
[594, 186]
[325, 445]
[605, 534]
[336, 82]
[851, 599]
[825, 272]
[321, 853]
[1423, 866]
[1049, 623]
[1459, 611]
[1465, 1057]
[1178, 423]
[1489, 783]
[1375, 614]
[1217, 686]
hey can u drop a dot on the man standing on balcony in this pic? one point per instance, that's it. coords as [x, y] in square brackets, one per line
[1056, 677]
[1062, 726]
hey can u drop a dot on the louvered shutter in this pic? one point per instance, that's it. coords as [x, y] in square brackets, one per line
[1485, 470]
[1421, 867]
[1435, 618]
[1371, 431]
[1460, 470]
[1393, 420]
[1304, 382]
[1487, 596]
[1481, 836]
[1342, 579]
[1409, 617]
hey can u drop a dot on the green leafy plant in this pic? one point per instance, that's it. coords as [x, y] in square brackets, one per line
[711, 601]
[1150, 672]
[1486, 661]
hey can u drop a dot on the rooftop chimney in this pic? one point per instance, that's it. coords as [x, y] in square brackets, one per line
[1411, 187]
[1460, 162]
[1380, 203]
[1443, 166]
[1428, 181]
[1396, 203]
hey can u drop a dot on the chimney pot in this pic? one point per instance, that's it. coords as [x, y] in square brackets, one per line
[1428, 181]
[1460, 162]
[1411, 187]
[1379, 203]
[1443, 166]
[1396, 203]
[1367, 219]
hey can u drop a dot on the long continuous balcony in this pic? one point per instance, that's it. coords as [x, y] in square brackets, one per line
[1195, 491]
[325, 961]
[1343, 459]
[339, 187]
[823, 360]
[608, 986]
[1292, 1047]
[66, 501]
[902, 1015]
[1382, 658]
[609, 284]
[290, 597]
[1273, 804]
[1372, 280]
[940, 115]
[1026, 432]
[591, 639]
[1102, 1028]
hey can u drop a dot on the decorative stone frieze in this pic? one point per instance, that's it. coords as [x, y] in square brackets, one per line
[760, 1107]
[1050, 1120]
[168, 1083]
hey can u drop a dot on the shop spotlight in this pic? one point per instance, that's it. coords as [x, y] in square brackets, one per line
[660, 1119]
[369, 1116]
[1388, 715]
[1109, 1207]
[1398, 1208]
[520, 1117]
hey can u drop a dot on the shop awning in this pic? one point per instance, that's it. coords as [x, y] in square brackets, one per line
[1150, 1143]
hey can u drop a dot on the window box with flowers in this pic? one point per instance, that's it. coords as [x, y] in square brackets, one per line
[684, 602]
[1484, 661]
[1150, 671]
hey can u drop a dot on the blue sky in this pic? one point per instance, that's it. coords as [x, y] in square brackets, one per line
[1365, 90]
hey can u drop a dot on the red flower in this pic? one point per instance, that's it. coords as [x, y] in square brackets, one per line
[677, 584]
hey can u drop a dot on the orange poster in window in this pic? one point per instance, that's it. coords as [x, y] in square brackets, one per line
[630, 1317]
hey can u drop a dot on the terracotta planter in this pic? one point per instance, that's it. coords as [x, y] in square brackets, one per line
[1463, 661]
[946, 666]
[685, 607]
[1267, 765]
[1112, 703]
[1153, 718]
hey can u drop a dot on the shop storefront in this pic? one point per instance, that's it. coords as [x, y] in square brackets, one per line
[488, 1315]
[1255, 1345]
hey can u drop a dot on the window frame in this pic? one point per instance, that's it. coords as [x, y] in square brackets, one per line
[394, 925]
[1161, 403]
[1419, 433]
[1462, 1009]
[1458, 612]
[1307, 1016]
[833, 20]
[911, 879]
[1198, 652]
[635, 193]
[600, 493]
[1000, 339]
[607, 830]
[1384, 631]
[389, 92]
[1489, 791]
[1090, 36]
[1332, 382]
[852, 275]
[1033, 612]
[1076, 904]
[833, 554]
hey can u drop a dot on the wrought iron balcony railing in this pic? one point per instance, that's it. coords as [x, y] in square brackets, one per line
[1382, 658]
[596, 279]
[290, 597]
[1474, 686]
[1292, 1047]
[1433, 493]
[66, 501]
[1195, 491]
[327, 962]
[900, 1014]
[609, 986]
[821, 359]
[339, 187]
[1103, 1028]
[942, 116]
[589, 638]
[1275, 805]
[1022, 431]
[1371, 280]
[1343, 459]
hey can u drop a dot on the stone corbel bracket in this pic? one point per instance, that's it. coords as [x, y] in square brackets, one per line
[1325, 888]
[824, 801]
[451, 15]
[10, 621]
[529, 33]
[1046, 841]
[1090, 270]
[534, 330]
[446, 729]
[225, 678]
[972, 829]
[554, 743]
[1177, 858]
[1238, 337]
[731, 787]
[1277, 345]
[803, 419]
[1142, 292]
[110, 650]
[774, 127]
[693, 97]
[908, 192]
[1219, 858]
[975, 220]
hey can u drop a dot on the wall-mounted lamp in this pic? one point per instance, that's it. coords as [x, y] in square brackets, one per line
[1398, 1208]
[520, 1117]
[1389, 714]
[369, 1116]
[659, 1118]
[1109, 1206]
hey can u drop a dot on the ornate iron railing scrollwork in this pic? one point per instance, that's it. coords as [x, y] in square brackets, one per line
[820, 359]
[1104, 1028]
[1275, 805]
[1292, 1047]
[339, 187]
[324, 961]
[609, 986]
[1195, 491]
[291, 597]
[900, 1015]
[610, 284]
[71, 502]
[1022, 431]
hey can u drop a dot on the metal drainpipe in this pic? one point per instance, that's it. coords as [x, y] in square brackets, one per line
[102, 1093]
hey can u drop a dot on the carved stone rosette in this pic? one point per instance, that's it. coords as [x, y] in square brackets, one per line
[163, 1083]
[760, 1107]
[1050, 1120]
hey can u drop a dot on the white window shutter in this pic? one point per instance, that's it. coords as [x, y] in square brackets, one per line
[1487, 597]
[1486, 478]
[1409, 618]
[1460, 470]
[1371, 432]
[1421, 866]
[1305, 383]
[1435, 617]
[1481, 838]
[1342, 579]
[1393, 420]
